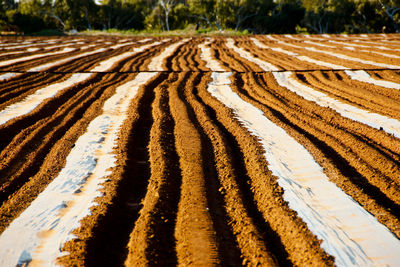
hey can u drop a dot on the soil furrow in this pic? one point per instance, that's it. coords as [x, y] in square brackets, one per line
[199, 173]
[181, 61]
[134, 63]
[201, 64]
[361, 54]
[191, 59]
[29, 80]
[389, 75]
[103, 237]
[168, 61]
[258, 243]
[376, 85]
[355, 93]
[89, 62]
[173, 63]
[226, 241]
[378, 138]
[307, 188]
[152, 240]
[301, 245]
[53, 161]
[197, 207]
[142, 60]
[22, 96]
[34, 81]
[375, 135]
[345, 170]
[33, 143]
[79, 64]
[235, 61]
[281, 61]
[216, 53]
[186, 62]
[43, 110]
[85, 63]
[20, 65]
[75, 189]
[322, 56]
[24, 86]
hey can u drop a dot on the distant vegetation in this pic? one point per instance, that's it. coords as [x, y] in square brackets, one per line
[200, 16]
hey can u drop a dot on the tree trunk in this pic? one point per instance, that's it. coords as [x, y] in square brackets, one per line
[167, 20]
[87, 19]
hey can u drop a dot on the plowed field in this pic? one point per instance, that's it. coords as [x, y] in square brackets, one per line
[274, 150]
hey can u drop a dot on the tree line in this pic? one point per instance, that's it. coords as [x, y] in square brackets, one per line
[255, 16]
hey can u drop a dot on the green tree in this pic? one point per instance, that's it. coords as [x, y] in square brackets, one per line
[391, 9]
[74, 14]
[353, 16]
[243, 10]
[128, 14]
[203, 12]
[179, 18]
[258, 16]
[166, 7]
[286, 16]
[364, 18]
[317, 16]
[2, 11]
[3, 18]
[154, 20]
[261, 16]
[30, 16]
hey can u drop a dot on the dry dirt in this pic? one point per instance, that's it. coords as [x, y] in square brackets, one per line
[191, 184]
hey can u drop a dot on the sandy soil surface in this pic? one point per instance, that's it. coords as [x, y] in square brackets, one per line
[188, 178]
